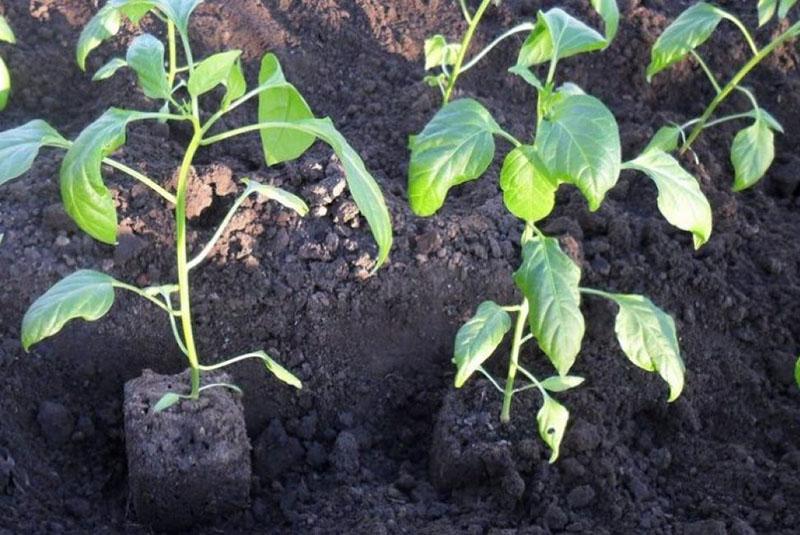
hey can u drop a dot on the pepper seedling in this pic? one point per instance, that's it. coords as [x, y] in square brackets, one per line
[576, 142]
[7, 36]
[753, 148]
[285, 122]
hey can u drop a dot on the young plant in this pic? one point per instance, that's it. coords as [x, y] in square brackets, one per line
[6, 35]
[287, 126]
[753, 148]
[576, 142]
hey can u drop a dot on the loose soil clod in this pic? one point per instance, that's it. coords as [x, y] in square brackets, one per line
[189, 464]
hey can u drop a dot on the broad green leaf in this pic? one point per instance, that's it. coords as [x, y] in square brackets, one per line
[106, 23]
[365, 190]
[179, 11]
[690, 30]
[680, 199]
[289, 200]
[552, 419]
[648, 338]
[549, 279]
[236, 84]
[212, 71]
[167, 400]
[5, 84]
[785, 6]
[19, 147]
[609, 12]
[86, 198]
[146, 57]
[109, 69]
[85, 294]
[578, 140]
[279, 371]
[526, 74]
[558, 35]
[278, 100]
[666, 139]
[6, 33]
[438, 52]
[528, 191]
[455, 147]
[752, 153]
[477, 339]
[557, 383]
[766, 9]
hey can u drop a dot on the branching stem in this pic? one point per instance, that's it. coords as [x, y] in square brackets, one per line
[473, 22]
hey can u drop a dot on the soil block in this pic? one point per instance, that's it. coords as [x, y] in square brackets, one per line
[190, 463]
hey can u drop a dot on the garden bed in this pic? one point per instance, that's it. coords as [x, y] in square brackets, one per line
[357, 450]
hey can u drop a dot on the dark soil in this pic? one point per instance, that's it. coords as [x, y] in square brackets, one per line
[189, 464]
[353, 448]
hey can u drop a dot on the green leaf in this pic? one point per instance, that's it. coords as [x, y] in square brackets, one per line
[665, 139]
[690, 30]
[680, 199]
[438, 52]
[5, 84]
[85, 294]
[455, 147]
[549, 279]
[578, 140]
[167, 400]
[558, 35]
[279, 371]
[86, 198]
[477, 339]
[766, 9]
[179, 11]
[528, 191]
[797, 372]
[212, 71]
[146, 57]
[526, 74]
[609, 12]
[559, 383]
[279, 100]
[109, 69]
[106, 23]
[6, 33]
[365, 190]
[648, 338]
[752, 153]
[289, 200]
[785, 6]
[236, 84]
[552, 419]
[765, 116]
[19, 147]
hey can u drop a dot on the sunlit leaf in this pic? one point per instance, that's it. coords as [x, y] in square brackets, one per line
[752, 153]
[578, 140]
[85, 294]
[559, 383]
[19, 147]
[278, 100]
[455, 147]
[146, 57]
[690, 30]
[648, 338]
[477, 339]
[680, 199]
[212, 71]
[558, 35]
[528, 191]
[439, 52]
[552, 419]
[549, 279]
[287, 199]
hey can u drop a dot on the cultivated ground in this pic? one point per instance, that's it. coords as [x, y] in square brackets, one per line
[351, 453]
